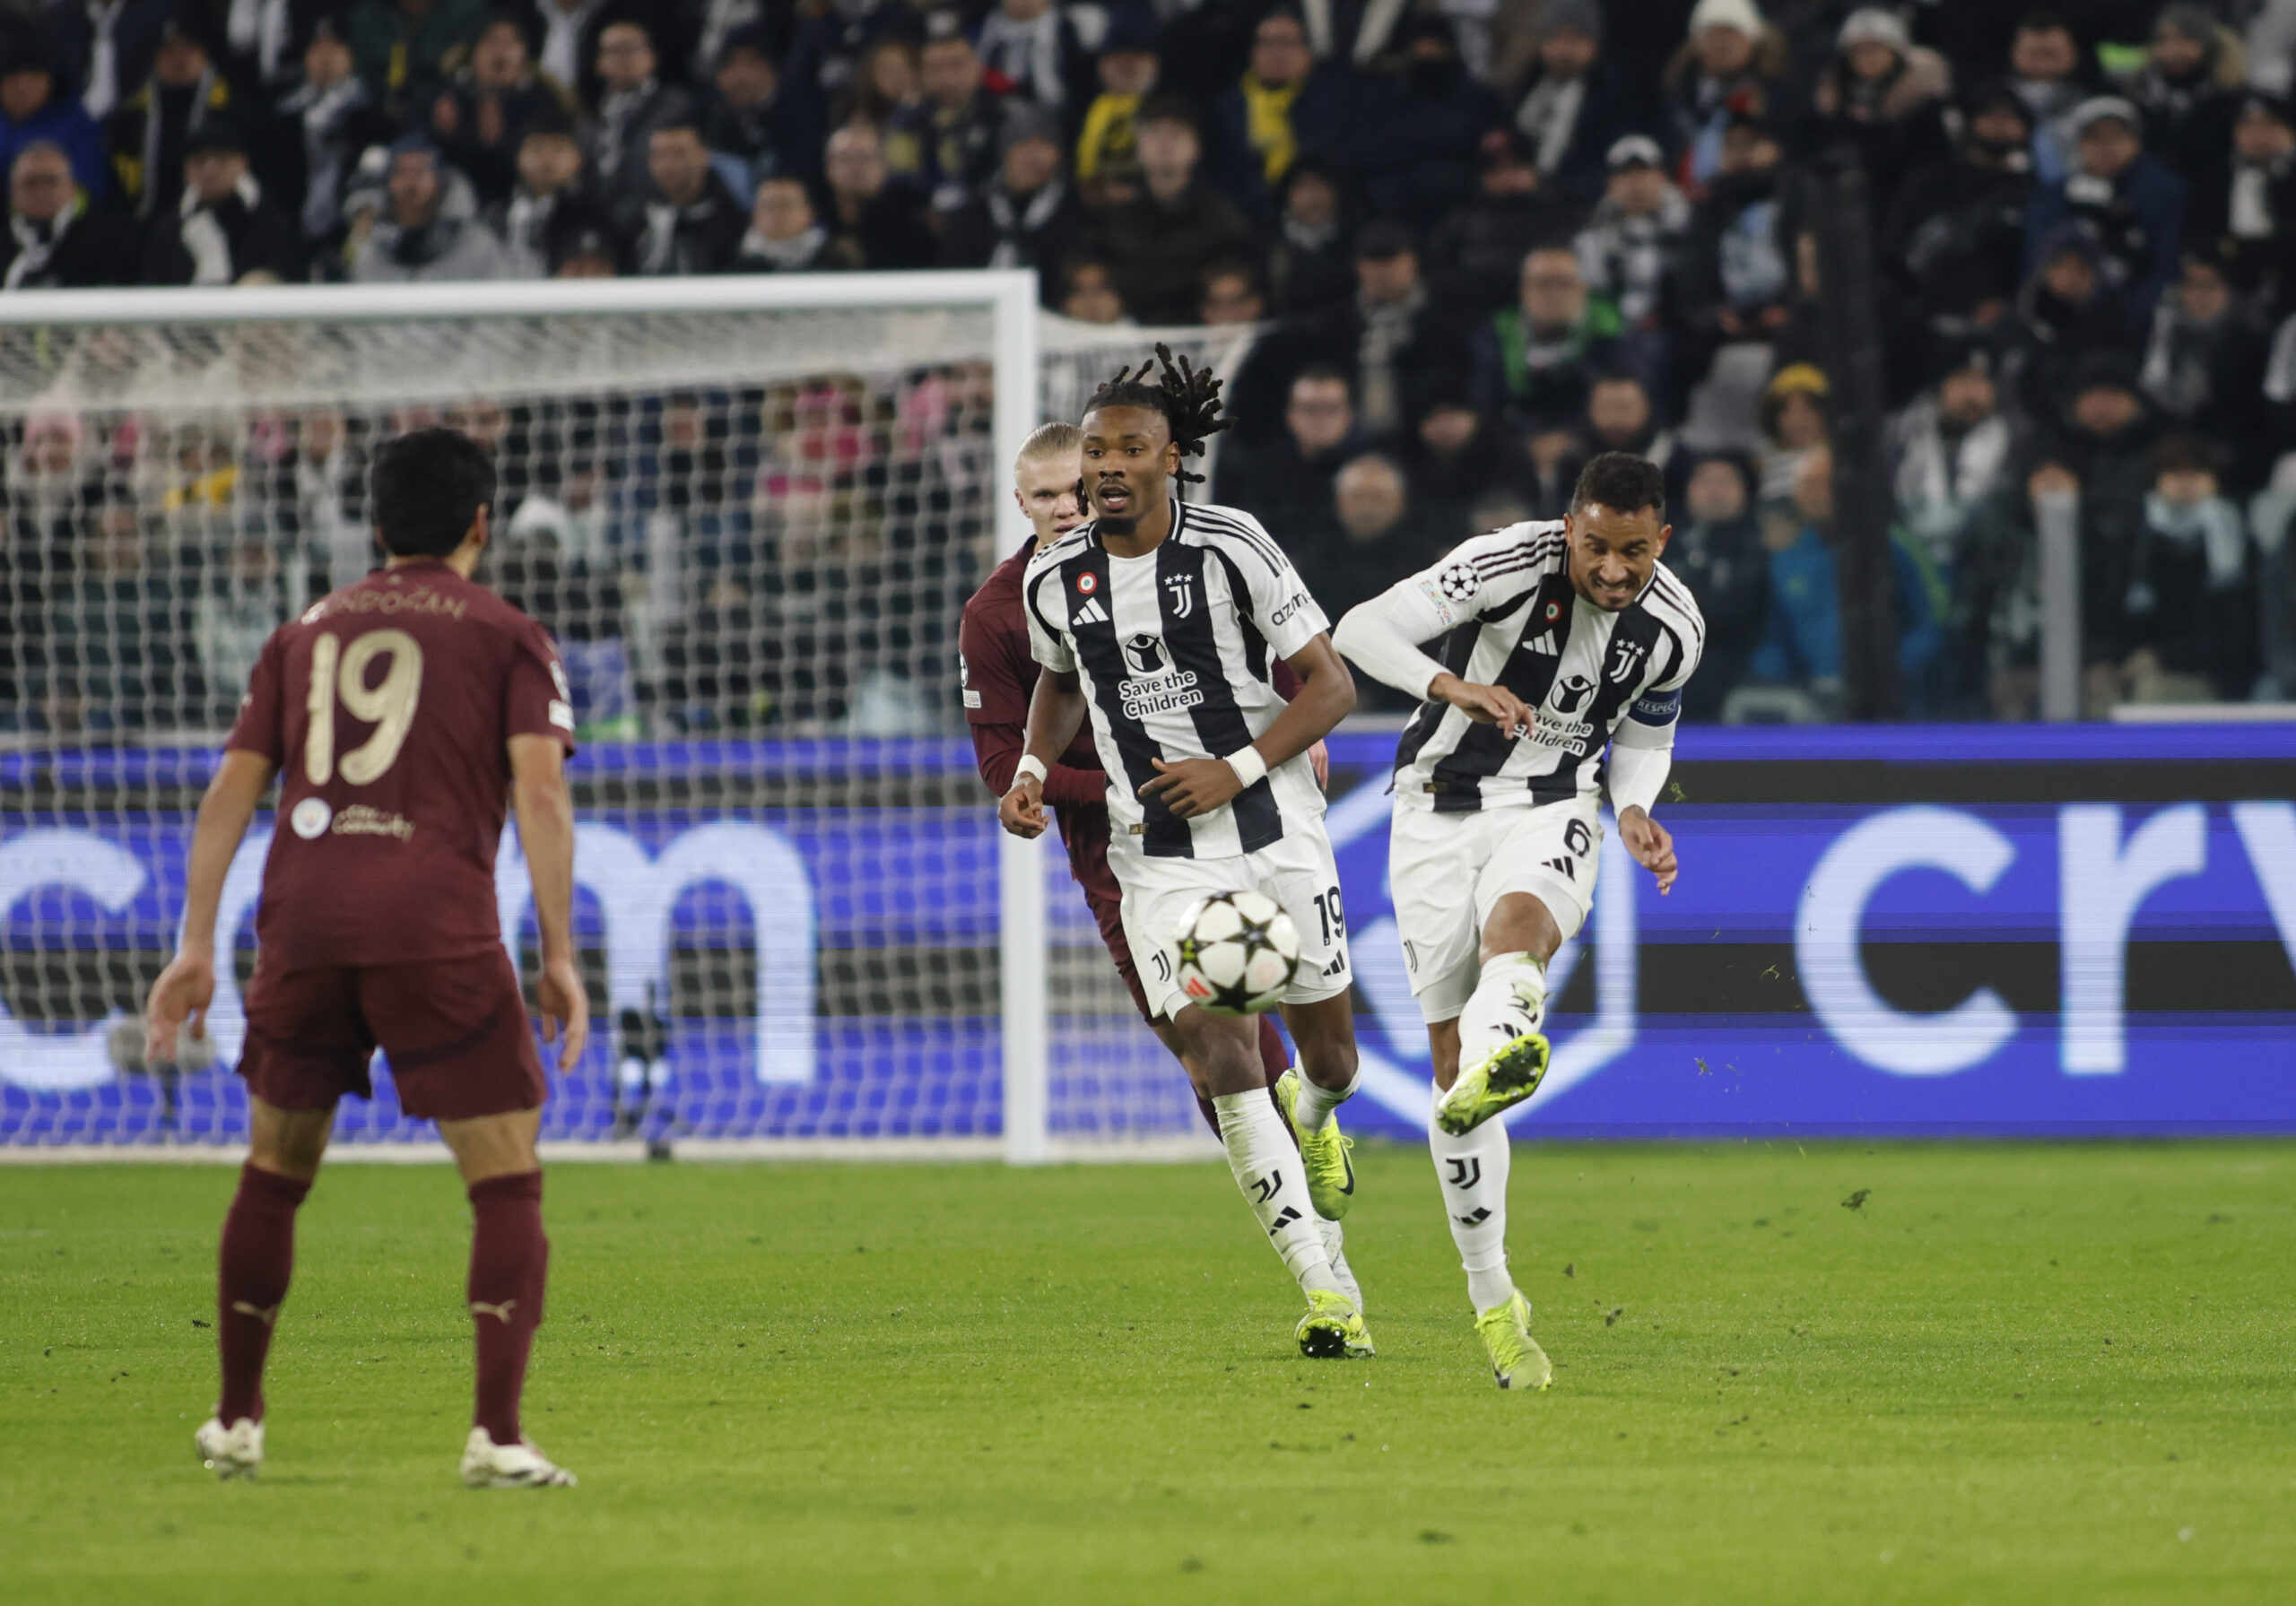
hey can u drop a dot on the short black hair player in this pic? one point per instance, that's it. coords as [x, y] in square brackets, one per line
[401, 716]
[1551, 641]
[1159, 623]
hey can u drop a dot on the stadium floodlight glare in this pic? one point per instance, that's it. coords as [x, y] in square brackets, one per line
[750, 508]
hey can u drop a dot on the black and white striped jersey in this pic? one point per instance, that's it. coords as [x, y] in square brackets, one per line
[1505, 614]
[1173, 650]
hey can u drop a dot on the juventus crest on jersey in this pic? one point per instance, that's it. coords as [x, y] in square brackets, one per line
[1173, 650]
[1509, 616]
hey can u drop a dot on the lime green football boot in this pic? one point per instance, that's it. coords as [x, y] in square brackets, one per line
[1333, 1329]
[1500, 1082]
[1331, 1174]
[1517, 1361]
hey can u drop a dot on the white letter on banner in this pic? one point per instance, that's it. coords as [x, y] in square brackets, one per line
[1833, 914]
[112, 876]
[2101, 882]
[2268, 831]
[637, 894]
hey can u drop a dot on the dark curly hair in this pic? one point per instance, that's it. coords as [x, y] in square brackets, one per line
[1622, 483]
[1189, 398]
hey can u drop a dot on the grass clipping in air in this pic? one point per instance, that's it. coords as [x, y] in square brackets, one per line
[2012, 1372]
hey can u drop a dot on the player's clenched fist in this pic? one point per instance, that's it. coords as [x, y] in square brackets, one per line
[1486, 704]
[564, 1006]
[183, 992]
[1020, 811]
[1651, 843]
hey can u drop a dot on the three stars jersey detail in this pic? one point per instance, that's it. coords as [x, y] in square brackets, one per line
[1506, 614]
[1174, 651]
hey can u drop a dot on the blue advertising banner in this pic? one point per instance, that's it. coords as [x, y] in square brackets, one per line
[1900, 930]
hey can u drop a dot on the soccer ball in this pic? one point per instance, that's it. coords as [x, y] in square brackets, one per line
[1237, 953]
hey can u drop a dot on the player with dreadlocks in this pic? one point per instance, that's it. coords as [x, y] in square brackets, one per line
[1160, 620]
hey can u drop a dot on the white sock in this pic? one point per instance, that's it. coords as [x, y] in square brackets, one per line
[1268, 1168]
[1473, 1170]
[1315, 1104]
[1509, 1001]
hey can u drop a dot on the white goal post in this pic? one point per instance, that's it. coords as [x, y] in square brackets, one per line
[751, 505]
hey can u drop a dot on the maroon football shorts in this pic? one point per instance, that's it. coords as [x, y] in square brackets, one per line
[454, 1029]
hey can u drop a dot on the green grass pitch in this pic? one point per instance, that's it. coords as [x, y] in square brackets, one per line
[2014, 1373]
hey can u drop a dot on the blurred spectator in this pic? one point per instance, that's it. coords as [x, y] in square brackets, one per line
[1452, 459]
[1736, 283]
[2181, 628]
[1478, 250]
[33, 110]
[693, 224]
[886, 81]
[1127, 67]
[233, 615]
[1883, 95]
[1032, 47]
[2245, 211]
[1717, 551]
[57, 238]
[1576, 106]
[1285, 481]
[1159, 244]
[1795, 423]
[2064, 316]
[1535, 361]
[2125, 200]
[1283, 108]
[1310, 265]
[832, 40]
[149, 132]
[1732, 68]
[2203, 363]
[1231, 295]
[225, 230]
[2046, 70]
[1028, 215]
[581, 609]
[319, 132]
[1950, 451]
[1621, 418]
[480, 118]
[549, 209]
[1089, 293]
[946, 146]
[1631, 254]
[785, 236]
[408, 49]
[871, 224]
[113, 638]
[633, 102]
[1379, 542]
[104, 46]
[1801, 642]
[427, 229]
[1955, 236]
[770, 124]
[2187, 111]
[1414, 131]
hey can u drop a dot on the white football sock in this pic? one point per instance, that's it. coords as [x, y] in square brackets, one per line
[1509, 1001]
[1315, 1104]
[1473, 1170]
[1268, 1168]
[1336, 1249]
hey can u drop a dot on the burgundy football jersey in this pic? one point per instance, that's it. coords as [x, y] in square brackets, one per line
[387, 707]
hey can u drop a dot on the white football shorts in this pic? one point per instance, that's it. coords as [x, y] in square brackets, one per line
[1446, 872]
[1297, 872]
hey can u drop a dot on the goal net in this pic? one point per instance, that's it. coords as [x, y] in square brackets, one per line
[750, 510]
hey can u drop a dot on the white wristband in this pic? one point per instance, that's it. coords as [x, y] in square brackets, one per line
[1250, 767]
[1030, 764]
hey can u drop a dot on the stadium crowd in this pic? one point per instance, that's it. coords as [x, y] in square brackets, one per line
[1485, 239]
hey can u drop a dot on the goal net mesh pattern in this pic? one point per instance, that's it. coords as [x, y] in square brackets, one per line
[751, 531]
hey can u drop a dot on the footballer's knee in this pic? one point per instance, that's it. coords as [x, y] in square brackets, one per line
[489, 1146]
[1521, 924]
[287, 1143]
[1221, 1054]
[1325, 1033]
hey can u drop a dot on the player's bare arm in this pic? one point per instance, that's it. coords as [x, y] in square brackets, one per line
[187, 986]
[1194, 787]
[545, 811]
[1486, 704]
[1056, 713]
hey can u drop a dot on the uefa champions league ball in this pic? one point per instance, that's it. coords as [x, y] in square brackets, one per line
[1237, 953]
